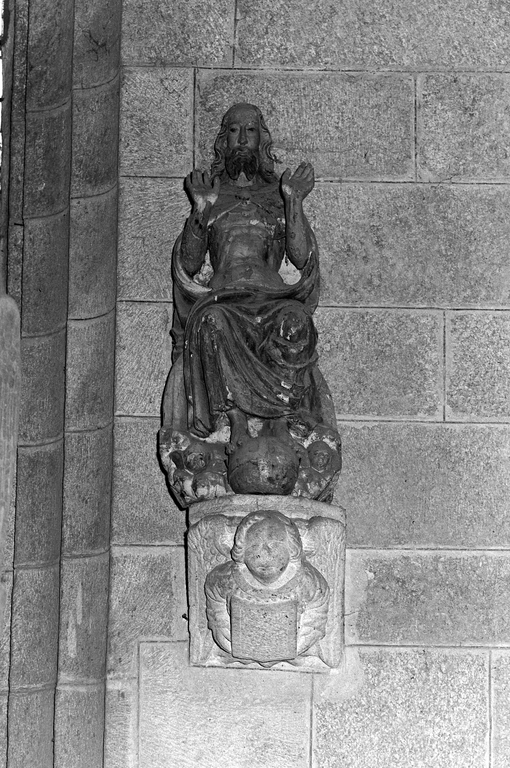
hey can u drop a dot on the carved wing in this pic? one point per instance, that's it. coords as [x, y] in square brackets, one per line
[209, 543]
[325, 540]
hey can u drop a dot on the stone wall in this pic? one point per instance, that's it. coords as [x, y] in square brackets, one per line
[403, 110]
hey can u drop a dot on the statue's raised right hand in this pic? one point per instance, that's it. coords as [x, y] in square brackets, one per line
[201, 189]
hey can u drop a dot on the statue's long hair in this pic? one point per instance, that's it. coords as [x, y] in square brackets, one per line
[293, 537]
[266, 157]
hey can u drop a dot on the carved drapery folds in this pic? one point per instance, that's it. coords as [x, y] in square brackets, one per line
[246, 411]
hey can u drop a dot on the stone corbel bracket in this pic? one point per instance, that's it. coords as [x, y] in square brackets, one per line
[239, 616]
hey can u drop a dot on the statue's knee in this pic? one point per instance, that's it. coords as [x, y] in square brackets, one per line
[295, 324]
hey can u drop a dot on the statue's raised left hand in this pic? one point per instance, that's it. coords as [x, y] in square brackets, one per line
[298, 185]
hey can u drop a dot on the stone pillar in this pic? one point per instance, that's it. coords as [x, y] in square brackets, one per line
[79, 708]
[38, 255]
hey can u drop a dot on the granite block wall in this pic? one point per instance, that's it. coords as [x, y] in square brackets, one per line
[403, 110]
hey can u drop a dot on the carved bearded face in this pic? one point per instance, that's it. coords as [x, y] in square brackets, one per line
[266, 553]
[243, 139]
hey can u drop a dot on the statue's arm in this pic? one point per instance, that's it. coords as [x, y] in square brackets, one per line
[299, 239]
[203, 193]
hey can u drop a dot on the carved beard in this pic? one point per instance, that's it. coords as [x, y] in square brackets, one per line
[239, 160]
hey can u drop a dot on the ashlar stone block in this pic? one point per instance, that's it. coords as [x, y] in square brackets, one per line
[42, 390]
[192, 718]
[477, 365]
[385, 363]
[50, 36]
[45, 259]
[92, 255]
[30, 729]
[428, 245]
[197, 32]
[96, 42]
[143, 511]
[151, 216]
[79, 723]
[47, 161]
[87, 491]
[143, 357]
[416, 708]
[347, 126]
[463, 125]
[156, 130]
[147, 600]
[418, 485]
[500, 678]
[35, 608]
[95, 139]
[364, 35]
[39, 504]
[427, 598]
[89, 381]
[83, 618]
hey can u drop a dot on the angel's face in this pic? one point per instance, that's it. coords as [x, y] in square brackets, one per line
[266, 552]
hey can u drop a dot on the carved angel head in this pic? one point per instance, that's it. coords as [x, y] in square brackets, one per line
[266, 542]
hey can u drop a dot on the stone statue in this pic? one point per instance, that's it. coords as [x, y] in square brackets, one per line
[246, 409]
[255, 597]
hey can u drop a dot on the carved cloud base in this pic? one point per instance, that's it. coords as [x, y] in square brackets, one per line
[265, 583]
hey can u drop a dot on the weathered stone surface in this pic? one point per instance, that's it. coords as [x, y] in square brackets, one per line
[16, 170]
[31, 729]
[92, 255]
[87, 484]
[427, 598]
[382, 362]
[477, 365]
[6, 580]
[83, 618]
[156, 121]
[253, 722]
[463, 126]
[35, 627]
[19, 65]
[39, 503]
[412, 244]
[96, 50]
[347, 126]
[121, 724]
[500, 679]
[425, 485]
[89, 382]
[45, 259]
[147, 601]
[95, 139]
[151, 216]
[10, 382]
[168, 32]
[42, 390]
[47, 161]
[416, 709]
[143, 511]
[431, 35]
[3, 729]
[50, 47]
[143, 357]
[79, 721]
[14, 267]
